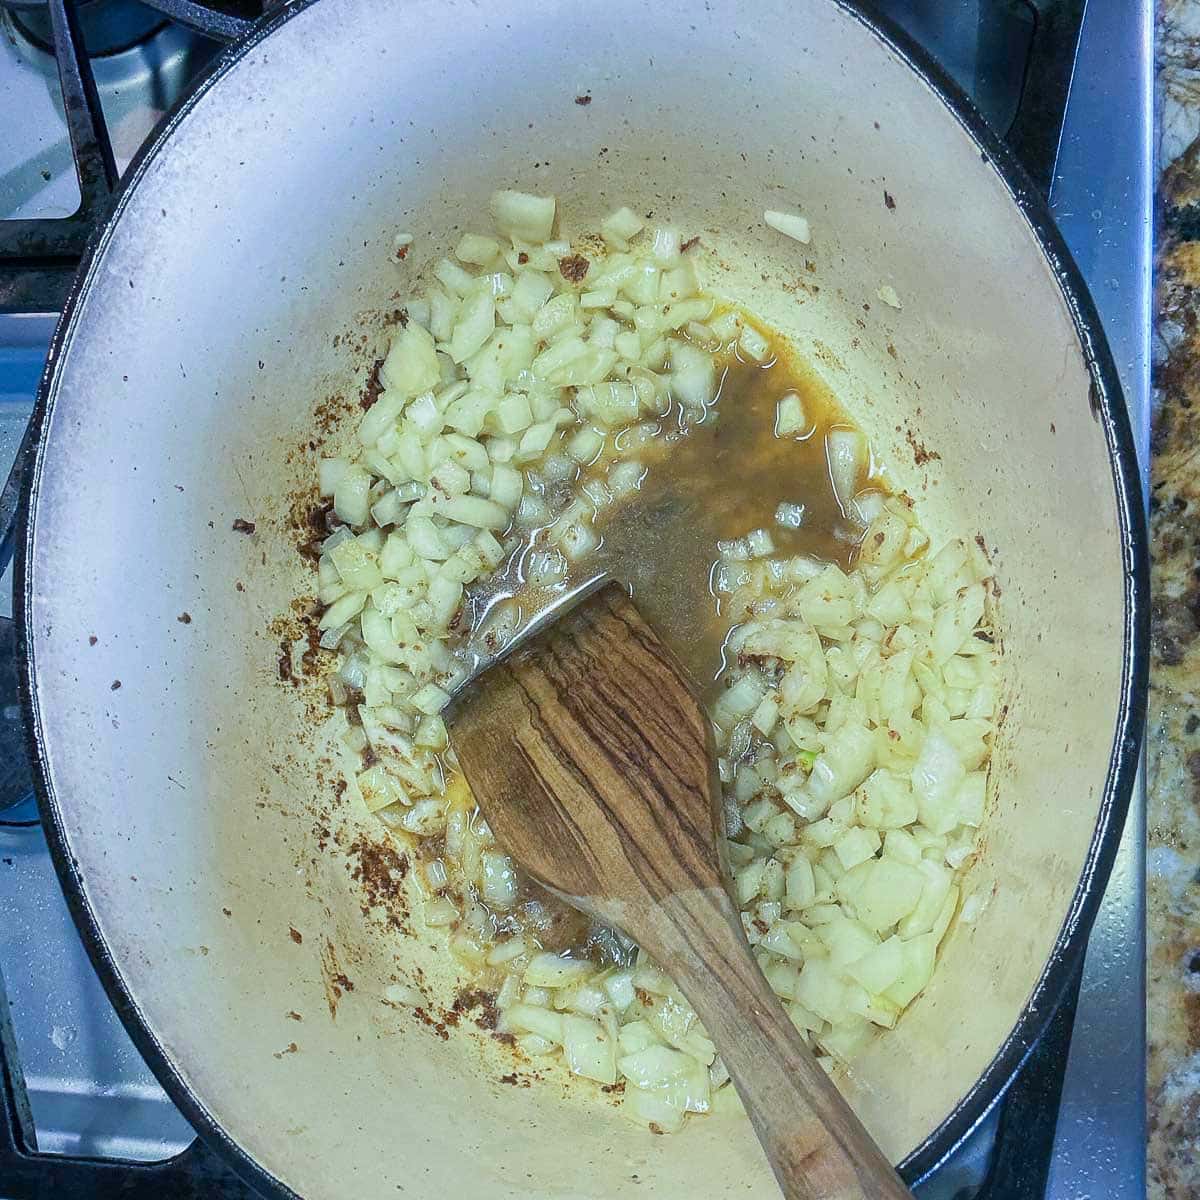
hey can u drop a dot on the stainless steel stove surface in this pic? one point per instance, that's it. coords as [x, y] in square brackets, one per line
[89, 1092]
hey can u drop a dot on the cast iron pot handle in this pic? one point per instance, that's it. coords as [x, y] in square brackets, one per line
[1036, 130]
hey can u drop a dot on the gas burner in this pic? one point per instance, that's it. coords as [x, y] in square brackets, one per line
[106, 26]
[120, 65]
[109, 26]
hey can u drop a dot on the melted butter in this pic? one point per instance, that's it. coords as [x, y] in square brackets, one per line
[711, 481]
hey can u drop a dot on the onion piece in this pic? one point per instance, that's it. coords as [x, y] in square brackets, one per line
[887, 294]
[846, 454]
[411, 365]
[790, 419]
[555, 971]
[620, 227]
[790, 516]
[791, 225]
[520, 215]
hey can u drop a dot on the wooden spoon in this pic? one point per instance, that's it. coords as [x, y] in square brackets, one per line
[592, 760]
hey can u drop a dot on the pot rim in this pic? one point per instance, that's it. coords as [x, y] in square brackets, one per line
[1108, 406]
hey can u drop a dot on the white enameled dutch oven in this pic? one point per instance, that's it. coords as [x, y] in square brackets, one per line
[193, 808]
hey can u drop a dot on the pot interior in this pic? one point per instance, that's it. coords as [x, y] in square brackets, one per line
[244, 284]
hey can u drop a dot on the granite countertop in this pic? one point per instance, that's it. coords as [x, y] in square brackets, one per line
[1173, 748]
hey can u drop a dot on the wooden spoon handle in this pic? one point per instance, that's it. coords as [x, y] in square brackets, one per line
[817, 1147]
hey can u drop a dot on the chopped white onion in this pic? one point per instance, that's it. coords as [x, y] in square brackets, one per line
[846, 452]
[887, 294]
[789, 416]
[791, 225]
[520, 215]
[790, 516]
[853, 728]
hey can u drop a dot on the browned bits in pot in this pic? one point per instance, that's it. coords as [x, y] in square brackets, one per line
[477, 998]
[438, 1027]
[922, 455]
[285, 661]
[573, 267]
[889, 200]
[380, 870]
[295, 935]
[116, 683]
[584, 100]
[320, 522]
[686, 246]
[242, 526]
[374, 385]
[184, 618]
[522, 258]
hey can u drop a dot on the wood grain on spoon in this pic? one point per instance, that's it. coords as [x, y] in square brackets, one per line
[592, 759]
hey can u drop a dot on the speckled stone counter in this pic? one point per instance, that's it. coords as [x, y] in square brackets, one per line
[1173, 757]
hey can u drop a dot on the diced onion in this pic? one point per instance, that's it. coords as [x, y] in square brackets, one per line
[555, 971]
[520, 215]
[790, 516]
[846, 452]
[789, 224]
[752, 344]
[621, 227]
[472, 248]
[887, 294]
[521, 402]
[789, 416]
[411, 365]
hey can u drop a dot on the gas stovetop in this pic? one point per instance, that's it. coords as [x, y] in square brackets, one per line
[1072, 90]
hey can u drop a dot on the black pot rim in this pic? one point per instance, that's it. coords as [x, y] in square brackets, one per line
[1109, 405]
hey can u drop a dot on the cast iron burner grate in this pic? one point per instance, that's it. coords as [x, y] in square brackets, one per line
[38, 260]
[39, 256]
